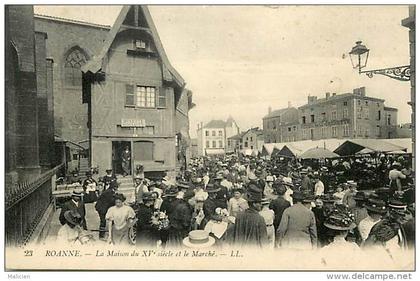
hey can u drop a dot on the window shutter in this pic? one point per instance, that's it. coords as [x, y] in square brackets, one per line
[161, 96]
[129, 95]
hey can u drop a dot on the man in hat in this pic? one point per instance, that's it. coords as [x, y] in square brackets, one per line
[90, 188]
[180, 219]
[140, 187]
[297, 229]
[279, 204]
[211, 203]
[376, 209]
[108, 178]
[126, 161]
[359, 210]
[250, 229]
[223, 194]
[168, 207]
[348, 198]
[75, 203]
[146, 233]
[153, 187]
[306, 185]
[105, 201]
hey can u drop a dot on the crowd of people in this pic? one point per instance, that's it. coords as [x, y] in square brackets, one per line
[239, 202]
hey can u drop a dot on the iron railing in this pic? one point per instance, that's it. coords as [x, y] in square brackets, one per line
[25, 204]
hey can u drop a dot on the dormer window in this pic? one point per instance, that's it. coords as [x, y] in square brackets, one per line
[140, 44]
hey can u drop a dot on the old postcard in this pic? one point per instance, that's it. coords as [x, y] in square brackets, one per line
[205, 137]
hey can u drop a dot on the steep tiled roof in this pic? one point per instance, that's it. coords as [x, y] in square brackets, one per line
[215, 124]
[276, 113]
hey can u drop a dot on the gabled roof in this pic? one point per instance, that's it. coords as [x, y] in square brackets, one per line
[215, 124]
[229, 121]
[238, 136]
[96, 63]
[278, 112]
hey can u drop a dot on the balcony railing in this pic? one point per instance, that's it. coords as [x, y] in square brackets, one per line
[25, 204]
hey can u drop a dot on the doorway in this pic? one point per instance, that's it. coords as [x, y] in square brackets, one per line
[118, 153]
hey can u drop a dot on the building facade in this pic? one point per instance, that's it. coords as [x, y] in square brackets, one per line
[252, 139]
[115, 88]
[281, 125]
[213, 138]
[134, 98]
[348, 115]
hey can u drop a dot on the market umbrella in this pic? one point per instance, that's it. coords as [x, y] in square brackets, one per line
[318, 153]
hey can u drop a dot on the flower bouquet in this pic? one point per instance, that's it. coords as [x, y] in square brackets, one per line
[160, 220]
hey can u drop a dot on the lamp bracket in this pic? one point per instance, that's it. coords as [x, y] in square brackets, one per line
[401, 73]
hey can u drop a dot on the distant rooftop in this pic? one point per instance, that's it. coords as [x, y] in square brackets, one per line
[278, 112]
[215, 124]
[85, 23]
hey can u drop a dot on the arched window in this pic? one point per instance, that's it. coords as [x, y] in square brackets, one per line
[75, 59]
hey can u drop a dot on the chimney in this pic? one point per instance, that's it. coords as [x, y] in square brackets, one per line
[362, 91]
[327, 95]
[289, 104]
[269, 109]
[311, 99]
[356, 91]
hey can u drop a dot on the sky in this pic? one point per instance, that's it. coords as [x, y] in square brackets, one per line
[240, 60]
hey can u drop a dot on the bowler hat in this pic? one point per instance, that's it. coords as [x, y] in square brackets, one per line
[376, 206]
[397, 205]
[76, 193]
[170, 192]
[254, 197]
[298, 195]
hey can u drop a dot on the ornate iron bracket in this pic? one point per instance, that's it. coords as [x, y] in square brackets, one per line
[401, 73]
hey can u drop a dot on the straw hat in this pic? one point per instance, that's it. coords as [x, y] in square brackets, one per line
[198, 239]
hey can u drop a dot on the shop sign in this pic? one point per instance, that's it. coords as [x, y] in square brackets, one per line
[133, 123]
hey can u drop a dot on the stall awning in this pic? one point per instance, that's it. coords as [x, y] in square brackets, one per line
[351, 147]
[318, 153]
[215, 151]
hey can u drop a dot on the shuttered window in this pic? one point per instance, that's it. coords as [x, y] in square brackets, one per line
[129, 95]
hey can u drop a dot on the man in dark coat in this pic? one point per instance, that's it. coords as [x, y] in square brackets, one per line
[105, 201]
[279, 204]
[168, 207]
[249, 229]
[307, 185]
[146, 233]
[179, 221]
[75, 203]
[108, 178]
[211, 203]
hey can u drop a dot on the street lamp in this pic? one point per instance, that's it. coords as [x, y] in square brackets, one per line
[359, 55]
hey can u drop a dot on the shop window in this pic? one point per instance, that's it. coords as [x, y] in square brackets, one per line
[143, 150]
